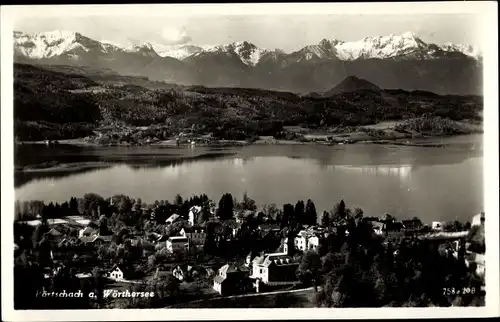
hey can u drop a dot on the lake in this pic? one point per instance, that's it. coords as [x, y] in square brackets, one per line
[433, 183]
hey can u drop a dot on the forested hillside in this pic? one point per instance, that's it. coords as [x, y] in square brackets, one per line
[57, 103]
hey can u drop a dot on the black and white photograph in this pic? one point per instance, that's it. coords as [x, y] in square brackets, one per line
[267, 156]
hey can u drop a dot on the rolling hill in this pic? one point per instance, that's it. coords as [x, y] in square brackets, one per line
[352, 84]
[69, 102]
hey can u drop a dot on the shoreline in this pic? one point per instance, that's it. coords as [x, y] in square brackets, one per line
[61, 167]
[54, 166]
[347, 140]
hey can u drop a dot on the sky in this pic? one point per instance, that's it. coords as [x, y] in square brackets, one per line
[287, 32]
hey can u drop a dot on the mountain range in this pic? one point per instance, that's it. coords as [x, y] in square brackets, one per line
[395, 61]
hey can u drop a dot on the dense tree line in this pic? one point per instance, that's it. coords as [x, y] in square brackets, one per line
[230, 113]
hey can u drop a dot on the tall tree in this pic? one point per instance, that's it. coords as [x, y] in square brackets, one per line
[311, 215]
[339, 211]
[325, 219]
[288, 215]
[226, 207]
[300, 212]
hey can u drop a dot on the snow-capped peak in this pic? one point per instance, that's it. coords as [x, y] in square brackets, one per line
[380, 47]
[145, 49]
[178, 51]
[406, 44]
[55, 35]
[52, 43]
[466, 49]
[72, 44]
[247, 52]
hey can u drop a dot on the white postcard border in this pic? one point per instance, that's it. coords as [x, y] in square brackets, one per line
[488, 10]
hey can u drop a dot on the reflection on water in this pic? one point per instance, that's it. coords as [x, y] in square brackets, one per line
[431, 183]
[401, 171]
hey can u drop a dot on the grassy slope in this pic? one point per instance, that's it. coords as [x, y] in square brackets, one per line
[66, 102]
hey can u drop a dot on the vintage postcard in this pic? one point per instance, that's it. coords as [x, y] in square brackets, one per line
[184, 162]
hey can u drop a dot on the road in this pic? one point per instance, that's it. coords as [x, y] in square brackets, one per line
[254, 294]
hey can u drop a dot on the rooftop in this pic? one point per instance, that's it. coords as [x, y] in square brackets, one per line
[177, 238]
[195, 208]
[231, 268]
[219, 279]
[172, 218]
[89, 239]
[279, 259]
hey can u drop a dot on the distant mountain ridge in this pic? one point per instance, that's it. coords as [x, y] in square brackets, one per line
[394, 61]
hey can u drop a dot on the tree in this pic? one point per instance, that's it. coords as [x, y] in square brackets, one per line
[358, 213]
[300, 212]
[103, 225]
[248, 203]
[325, 219]
[73, 206]
[205, 213]
[311, 215]
[309, 268]
[339, 211]
[151, 262]
[178, 200]
[138, 204]
[90, 204]
[226, 207]
[288, 215]
[122, 203]
[272, 211]
[290, 241]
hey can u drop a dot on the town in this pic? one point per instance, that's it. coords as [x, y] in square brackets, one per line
[195, 253]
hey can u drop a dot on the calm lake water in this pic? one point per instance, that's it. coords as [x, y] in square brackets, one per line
[433, 183]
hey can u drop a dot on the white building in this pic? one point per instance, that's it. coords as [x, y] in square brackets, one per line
[378, 227]
[304, 241]
[480, 262]
[176, 244]
[478, 219]
[437, 225]
[194, 214]
[477, 259]
[195, 236]
[118, 273]
[274, 269]
[87, 231]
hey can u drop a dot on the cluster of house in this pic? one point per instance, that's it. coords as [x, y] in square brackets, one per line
[189, 236]
[261, 270]
[264, 269]
[271, 269]
[307, 239]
